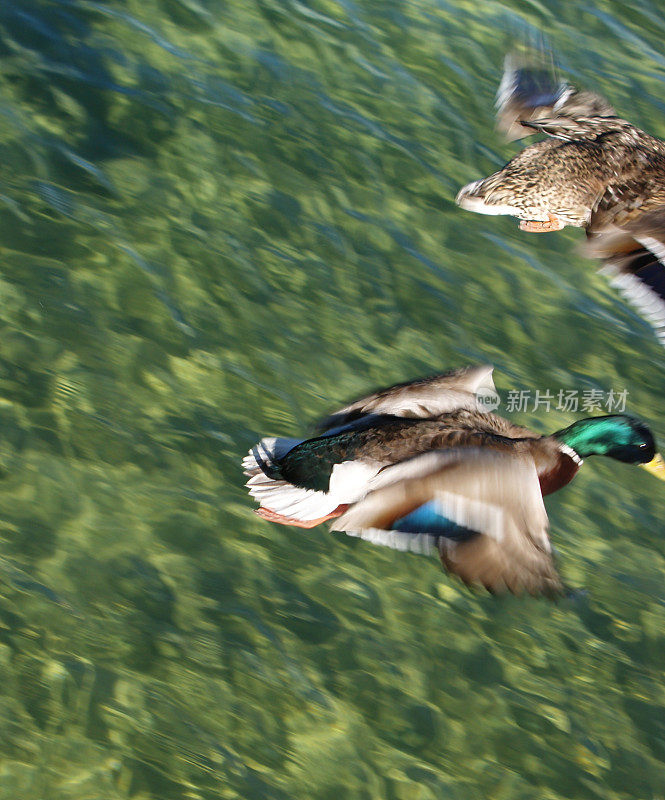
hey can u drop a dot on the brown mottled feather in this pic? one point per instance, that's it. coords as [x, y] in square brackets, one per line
[529, 91]
[598, 171]
[424, 397]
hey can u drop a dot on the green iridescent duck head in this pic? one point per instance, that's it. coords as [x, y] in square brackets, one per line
[617, 436]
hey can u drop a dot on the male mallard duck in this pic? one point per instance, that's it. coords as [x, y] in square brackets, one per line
[419, 467]
[597, 171]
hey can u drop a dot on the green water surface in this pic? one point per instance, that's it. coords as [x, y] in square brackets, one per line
[220, 219]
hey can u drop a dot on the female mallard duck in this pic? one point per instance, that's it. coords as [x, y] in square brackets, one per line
[598, 171]
[419, 466]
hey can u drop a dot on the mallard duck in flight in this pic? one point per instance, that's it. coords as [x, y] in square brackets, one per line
[595, 171]
[418, 466]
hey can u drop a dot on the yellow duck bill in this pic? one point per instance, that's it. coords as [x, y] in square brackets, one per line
[656, 466]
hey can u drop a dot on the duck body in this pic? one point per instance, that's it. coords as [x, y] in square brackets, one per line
[386, 440]
[459, 481]
[305, 481]
[596, 171]
[592, 164]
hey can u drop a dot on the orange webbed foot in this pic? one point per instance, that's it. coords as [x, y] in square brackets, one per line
[280, 519]
[552, 224]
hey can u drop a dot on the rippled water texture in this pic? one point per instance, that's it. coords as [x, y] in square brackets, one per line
[219, 219]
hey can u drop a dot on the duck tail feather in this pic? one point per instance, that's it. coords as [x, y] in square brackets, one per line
[263, 457]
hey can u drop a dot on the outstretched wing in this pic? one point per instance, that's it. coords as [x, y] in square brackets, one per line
[482, 510]
[425, 397]
[631, 242]
[530, 93]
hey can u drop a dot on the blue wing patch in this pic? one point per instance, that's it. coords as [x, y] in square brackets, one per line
[429, 519]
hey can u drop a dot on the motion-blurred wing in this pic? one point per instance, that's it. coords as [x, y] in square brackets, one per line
[482, 510]
[632, 245]
[425, 397]
[529, 92]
